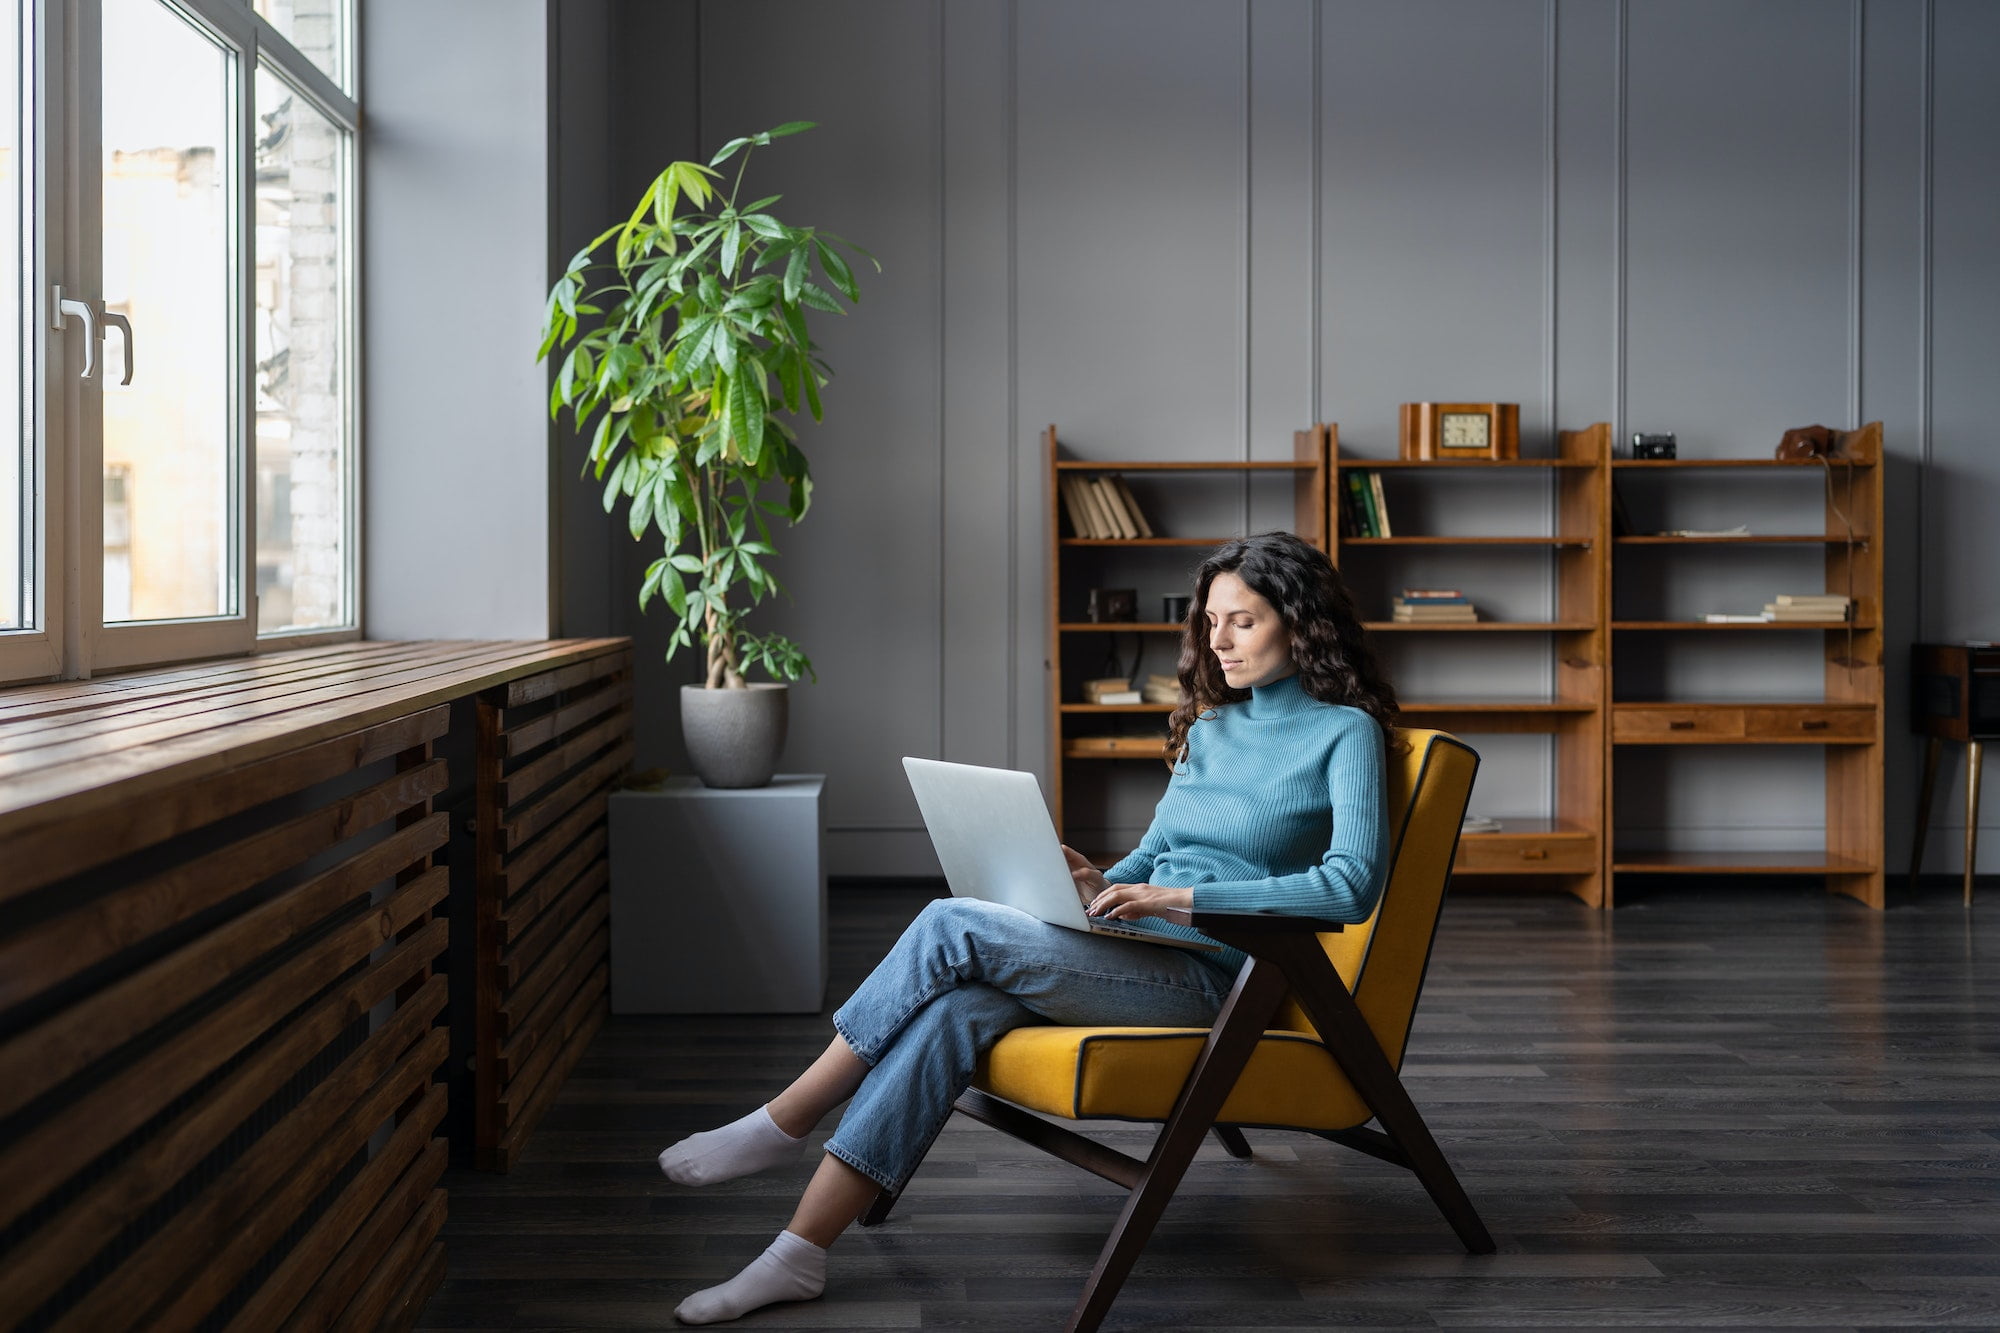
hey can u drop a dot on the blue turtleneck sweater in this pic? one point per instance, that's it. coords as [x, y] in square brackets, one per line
[1280, 806]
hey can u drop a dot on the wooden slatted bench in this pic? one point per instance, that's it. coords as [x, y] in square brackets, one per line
[223, 906]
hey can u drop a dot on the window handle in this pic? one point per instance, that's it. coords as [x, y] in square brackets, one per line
[124, 326]
[92, 335]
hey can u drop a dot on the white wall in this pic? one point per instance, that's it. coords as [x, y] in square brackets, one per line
[455, 235]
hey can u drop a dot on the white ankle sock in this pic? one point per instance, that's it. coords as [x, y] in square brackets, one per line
[792, 1269]
[754, 1143]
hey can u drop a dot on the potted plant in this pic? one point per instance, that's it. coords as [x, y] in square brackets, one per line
[685, 348]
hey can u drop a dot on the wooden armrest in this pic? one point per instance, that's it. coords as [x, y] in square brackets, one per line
[1215, 922]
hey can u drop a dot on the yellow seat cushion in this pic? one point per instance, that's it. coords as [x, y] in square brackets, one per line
[1114, 1073]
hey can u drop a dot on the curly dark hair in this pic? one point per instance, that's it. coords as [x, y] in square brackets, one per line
[1335, 661]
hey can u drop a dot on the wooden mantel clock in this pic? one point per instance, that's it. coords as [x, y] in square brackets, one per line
[1461, 430]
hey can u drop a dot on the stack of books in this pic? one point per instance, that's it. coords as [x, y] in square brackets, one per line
[1433, 606]
[1110, 690]
[1808, 606]
[1364, 510]
[1102, 508]
[1161, 689]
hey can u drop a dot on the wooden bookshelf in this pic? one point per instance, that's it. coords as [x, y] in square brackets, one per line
[1566, 846]
[1096, 745]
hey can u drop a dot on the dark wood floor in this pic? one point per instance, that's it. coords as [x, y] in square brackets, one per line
[1718, 1107]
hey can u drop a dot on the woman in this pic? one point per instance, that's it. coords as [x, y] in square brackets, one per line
[1275, 803]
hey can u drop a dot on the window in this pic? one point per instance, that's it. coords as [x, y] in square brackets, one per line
[184, 482]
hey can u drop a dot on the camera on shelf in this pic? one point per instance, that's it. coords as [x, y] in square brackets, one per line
[1653, 446]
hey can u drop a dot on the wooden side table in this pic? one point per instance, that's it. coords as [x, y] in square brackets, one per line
[1954, 695]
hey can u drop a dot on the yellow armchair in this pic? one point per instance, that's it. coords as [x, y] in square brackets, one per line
[1311, 1039]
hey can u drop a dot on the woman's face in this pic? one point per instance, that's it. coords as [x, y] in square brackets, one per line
[1246, 635]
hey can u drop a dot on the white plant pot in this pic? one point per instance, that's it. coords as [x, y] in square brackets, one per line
[734, 737]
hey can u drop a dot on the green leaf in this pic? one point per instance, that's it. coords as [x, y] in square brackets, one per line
[763, 224]
[812, 394]
[654, 572]
[837, 270]
[746, 410]
[819, 299]
[791, 127]
[731, 243]
[687, 564]
[641, 513]
[795, 274]
[676, 594]
[727, 151]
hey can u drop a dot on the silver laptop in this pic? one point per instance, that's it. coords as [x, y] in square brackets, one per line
[995, 840]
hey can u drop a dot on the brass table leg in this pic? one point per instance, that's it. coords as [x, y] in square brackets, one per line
[1932, 746]
[1974, 752]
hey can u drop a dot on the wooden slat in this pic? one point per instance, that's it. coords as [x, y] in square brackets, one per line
[283, 1173]
[406, 1304]
[32, 700]
[517, 915]
[532, 777]
[20, 725]
[510, 1146]
[549, 808]
[533, 1030]
[44, 1056]
[580, 937]
[105, 782]
[37, 958]
[56, 1149]
[41, 1264]
[338, 1248]
[200, 711]
[528, 689]
[517, 961]
[515, 874]
[43, 855]
[517, 738]
[526, 1080]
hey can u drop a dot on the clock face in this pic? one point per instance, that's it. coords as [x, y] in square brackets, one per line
[1464, 430]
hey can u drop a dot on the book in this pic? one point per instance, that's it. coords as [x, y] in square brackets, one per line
[1812, 599]
[1410, 615]
[1114, 506]
[1160, 694]
[1479, 824]
[1117, 697]
[1432, 596]
[1100, 517]
[1728, 618]
[1357, 486]
[1383, 529]
[1813, 613]
[1132, 507]
[1073, 509]
[1083, 509]
[1163, 679]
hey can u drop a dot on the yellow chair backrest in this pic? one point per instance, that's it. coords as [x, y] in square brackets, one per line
[1382, 960]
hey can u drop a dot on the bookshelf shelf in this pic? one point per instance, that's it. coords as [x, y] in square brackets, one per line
[1430, 464]
[1705, 625]
[1092, 798]
[1579, 542]
[1856, 462]
[1785, 861]
[1482, 626]
[1751, 539]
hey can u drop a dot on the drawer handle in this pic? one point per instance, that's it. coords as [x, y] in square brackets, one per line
[1685, 724]
[1813, 724]
[1534, 853]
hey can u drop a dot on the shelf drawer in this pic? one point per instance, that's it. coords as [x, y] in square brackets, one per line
[1810, 724]
[1646, 722]
[1496, 853]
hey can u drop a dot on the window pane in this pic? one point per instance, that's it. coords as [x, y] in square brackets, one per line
[168, 522]
[302, 407]
[317, 27]
[16, 530]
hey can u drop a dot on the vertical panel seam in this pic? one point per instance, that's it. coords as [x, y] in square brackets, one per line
[943, 390]
[1552, 425]
[1315, 275]
[1244, 223]
[1855, 165]
[1926, 227]
[1013, 111]
[1618, 239]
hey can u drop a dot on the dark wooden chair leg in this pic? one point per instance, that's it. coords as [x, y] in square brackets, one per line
[1252, 1003]
[1232, 1141]
[878, 1211]
[1353, 1046]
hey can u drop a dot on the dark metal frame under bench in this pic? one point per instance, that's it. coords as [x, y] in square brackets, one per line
[224, 905]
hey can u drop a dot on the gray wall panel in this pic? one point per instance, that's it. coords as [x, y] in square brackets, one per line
[864, 569]
[1737, 222]
[1434, 196]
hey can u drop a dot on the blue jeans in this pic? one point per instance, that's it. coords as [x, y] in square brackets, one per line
[963, 975]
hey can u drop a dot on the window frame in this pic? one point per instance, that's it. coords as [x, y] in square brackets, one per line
[61, 165]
